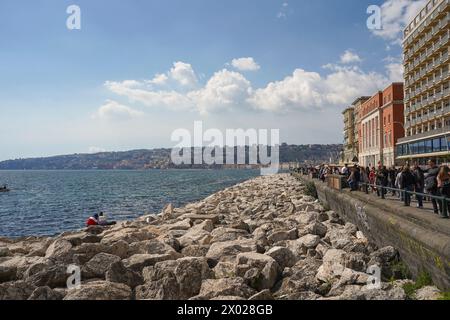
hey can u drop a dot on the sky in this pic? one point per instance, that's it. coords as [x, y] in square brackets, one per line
[137, 70]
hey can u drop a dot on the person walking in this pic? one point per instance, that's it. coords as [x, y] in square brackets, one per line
[420, 183]
[431, 186]
[407, 183]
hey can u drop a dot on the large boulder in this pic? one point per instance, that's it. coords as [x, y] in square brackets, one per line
[160, 282]
[118, 273]
[199, 234]
[98, 265]
[283, 256]
[222, 234]
[60, 250]
[267, 269]
[150, 247]
[100, 290]
[54, 276]
[212, 288]
[46, 294]
[195, 251]
[190, 272]
[138, 261]
[228, 250]
[333, 265]
[19, 290]
[8, 273]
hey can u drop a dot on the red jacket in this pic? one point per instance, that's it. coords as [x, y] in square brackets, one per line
[91, 222]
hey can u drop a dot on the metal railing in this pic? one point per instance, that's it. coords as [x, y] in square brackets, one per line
[407, 196]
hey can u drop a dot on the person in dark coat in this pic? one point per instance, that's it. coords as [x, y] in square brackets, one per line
[354, 179]
[430, 184]
[420, 184]
[382, 179]
[407, 183]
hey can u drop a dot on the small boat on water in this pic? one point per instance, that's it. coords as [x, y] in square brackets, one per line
[4, 189]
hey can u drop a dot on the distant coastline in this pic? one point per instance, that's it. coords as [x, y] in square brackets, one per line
[161, 159]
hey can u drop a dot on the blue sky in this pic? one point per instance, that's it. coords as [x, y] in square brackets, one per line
[137, 70]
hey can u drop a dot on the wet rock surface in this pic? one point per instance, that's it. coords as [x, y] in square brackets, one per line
[263, 239]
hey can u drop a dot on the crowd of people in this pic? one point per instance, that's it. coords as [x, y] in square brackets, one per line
[431, 181]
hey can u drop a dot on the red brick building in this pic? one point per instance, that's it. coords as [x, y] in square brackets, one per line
[381, 125]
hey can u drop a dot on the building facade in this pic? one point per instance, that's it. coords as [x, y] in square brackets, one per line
[392, 121]
[427, 85]
[349, 153]
[370, 139]
[357, 104]
[381, 126]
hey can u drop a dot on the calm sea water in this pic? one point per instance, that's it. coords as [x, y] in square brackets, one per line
[50, 202]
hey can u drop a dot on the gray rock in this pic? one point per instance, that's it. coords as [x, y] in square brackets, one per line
[227, 251]
[212, 288]
[283, 256]
[267, 267]
[54, 277]
[46, 294]
[195, 251]
[8, 273]
[118, 273]
[100, 290]
[138, 261]
[98, 265]
[19, 290]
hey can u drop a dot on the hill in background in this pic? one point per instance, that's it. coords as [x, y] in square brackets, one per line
[158, 159]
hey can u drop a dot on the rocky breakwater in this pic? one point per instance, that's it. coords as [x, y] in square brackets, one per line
[260, 240]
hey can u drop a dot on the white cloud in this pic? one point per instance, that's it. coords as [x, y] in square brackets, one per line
[350, 57]
[309, 90]
[183, 74]
[112, 110]
[245, 64]
[229, 90]
[224, 91]
[159, 79]
[395, 15]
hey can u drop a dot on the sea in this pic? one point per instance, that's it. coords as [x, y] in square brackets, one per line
[46, 203]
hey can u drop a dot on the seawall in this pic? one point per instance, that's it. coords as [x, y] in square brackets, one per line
[422, 239]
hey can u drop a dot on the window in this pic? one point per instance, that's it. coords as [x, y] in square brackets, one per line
[443, 144]
[436, 145]
[428, 146]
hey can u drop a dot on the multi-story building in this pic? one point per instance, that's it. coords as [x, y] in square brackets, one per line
[392, 119]
[427, 88]
[370, 138]
[349, 152]
[357, 107]
[381, 126]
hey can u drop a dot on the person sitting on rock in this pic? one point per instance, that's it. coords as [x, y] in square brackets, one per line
[103, 220]
[93, 221]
